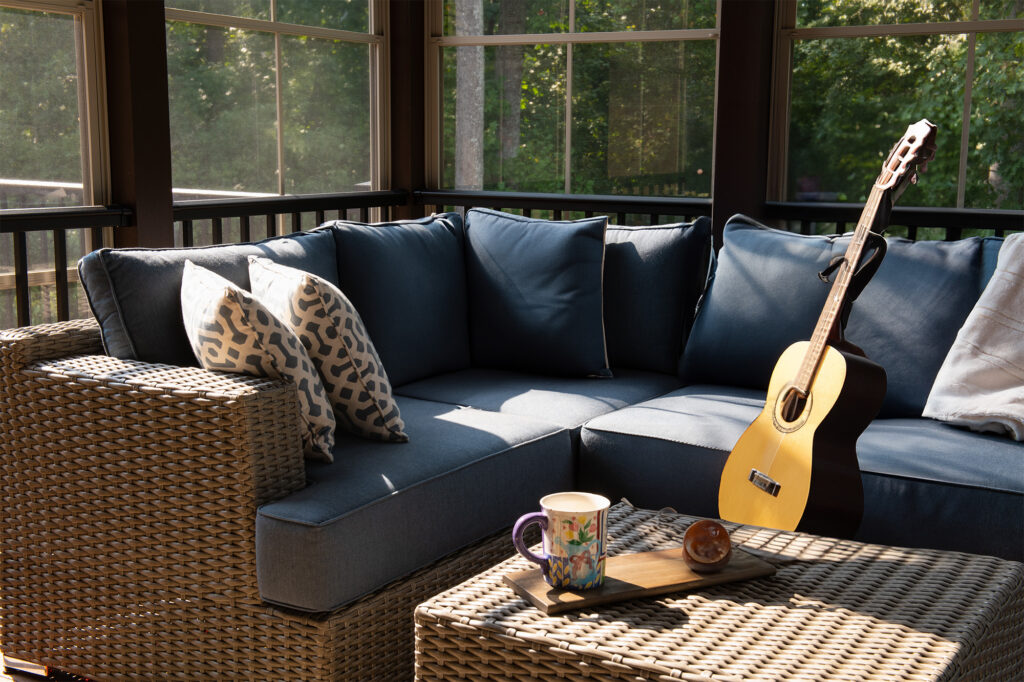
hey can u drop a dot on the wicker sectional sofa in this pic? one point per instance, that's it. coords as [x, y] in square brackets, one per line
[159, 521]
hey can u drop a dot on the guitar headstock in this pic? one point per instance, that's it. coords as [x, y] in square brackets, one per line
[915, 148]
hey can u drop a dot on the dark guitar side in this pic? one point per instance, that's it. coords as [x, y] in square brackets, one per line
[836, 501]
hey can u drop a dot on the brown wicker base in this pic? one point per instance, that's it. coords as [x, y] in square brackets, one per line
[128, 498]
[835, 610]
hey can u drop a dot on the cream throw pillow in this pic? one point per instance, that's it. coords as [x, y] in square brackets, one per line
[231, 331]
[333, 334]
[981, 383]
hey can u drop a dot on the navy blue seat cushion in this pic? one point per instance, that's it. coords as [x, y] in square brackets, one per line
[565, 401]
[535, 295]
[135, 293]
[653, 278]
[926, 484]
[407, 280]
[765, 295]
[383, 510]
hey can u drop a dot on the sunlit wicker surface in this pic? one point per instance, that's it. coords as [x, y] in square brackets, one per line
[835, 610]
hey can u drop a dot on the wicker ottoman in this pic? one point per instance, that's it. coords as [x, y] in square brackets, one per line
[835, 610]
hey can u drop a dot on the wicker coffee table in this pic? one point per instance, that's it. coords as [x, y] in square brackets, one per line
[835, 610]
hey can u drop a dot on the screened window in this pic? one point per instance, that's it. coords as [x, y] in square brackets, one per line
[577, 96]
[273, 96]
[52, 144]
[862, 70]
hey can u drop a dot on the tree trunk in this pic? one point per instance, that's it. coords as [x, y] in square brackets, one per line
[469, 98]
[510, 73]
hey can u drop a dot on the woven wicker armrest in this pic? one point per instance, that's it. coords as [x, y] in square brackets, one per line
[24, 345]
[128, 483]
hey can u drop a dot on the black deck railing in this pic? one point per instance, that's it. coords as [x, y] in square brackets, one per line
[906, 221]
[38, 284]
[22, 279]
[219, 221]
[622, 210]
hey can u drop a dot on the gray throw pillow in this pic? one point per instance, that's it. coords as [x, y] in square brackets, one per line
[231, 331]
[535, 293]
[333, 334]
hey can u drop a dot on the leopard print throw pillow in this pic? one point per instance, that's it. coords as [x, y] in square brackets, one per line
[232, 331]
[333, 334]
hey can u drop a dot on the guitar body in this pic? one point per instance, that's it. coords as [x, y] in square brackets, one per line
[809, 477]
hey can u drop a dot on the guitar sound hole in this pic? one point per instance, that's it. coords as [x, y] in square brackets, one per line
[793, 406]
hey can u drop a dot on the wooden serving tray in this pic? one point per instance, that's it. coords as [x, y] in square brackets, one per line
[630, 576]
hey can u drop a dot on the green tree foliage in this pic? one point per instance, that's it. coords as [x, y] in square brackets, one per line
[852, 98]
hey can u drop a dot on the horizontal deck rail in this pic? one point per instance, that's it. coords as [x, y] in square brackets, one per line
[951, 223]
[647, 209]
[278, 214]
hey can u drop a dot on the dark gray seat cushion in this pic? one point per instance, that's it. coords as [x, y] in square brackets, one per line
[653, 278]
[765, 295]
[926, 484]
[135, 293]
[407, 280]
[564, 401]
[383, 510]
[535, 293]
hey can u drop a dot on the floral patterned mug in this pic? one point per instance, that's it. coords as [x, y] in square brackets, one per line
[575, 527]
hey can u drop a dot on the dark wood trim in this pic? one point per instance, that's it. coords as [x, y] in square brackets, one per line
[407, 118]
[587, 203]
[270, 206]
[40, 219]
[135, 56]
[742, 109]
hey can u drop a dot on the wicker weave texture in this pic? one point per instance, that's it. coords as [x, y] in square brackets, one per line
[835, 610]
[127, 514]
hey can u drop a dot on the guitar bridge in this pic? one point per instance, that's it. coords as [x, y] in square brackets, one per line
[764, 482]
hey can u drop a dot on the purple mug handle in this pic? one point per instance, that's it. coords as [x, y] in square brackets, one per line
[517, 537]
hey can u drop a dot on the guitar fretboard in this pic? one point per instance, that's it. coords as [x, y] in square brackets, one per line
[837, 294]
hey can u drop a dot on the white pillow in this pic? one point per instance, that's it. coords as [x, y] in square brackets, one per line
[981, 382]
[333, 334]
[231, 331]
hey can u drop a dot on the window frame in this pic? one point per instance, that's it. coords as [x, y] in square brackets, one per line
[436, 41]
[787, 34]
[92, 96]
[379, 78]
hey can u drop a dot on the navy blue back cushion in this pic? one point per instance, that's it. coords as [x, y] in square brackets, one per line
[135, 294]
[653, 278]
[535, 295]
[765, 295]
[407, 280]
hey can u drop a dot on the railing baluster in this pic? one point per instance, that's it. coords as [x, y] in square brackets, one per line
[296, 222]
[243, 229]
[320, 218]
[271, 225]
[364, 214]
[217, 230]
[912, 232]
[954, 233]
[21, 278]
[60, 272]
[653, 218]
[186, 233]
[95, 238]
[620, 218]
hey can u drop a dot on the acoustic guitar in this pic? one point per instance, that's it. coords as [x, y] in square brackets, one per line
[795, 467]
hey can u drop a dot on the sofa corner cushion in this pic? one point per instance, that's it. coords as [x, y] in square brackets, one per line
[333, 334]
[381, 511]
[535, 293]
[134, 292]
[407, 280]
[653, 278]
[765, 295]
[232, 331]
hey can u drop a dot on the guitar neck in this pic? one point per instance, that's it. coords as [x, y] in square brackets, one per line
[837, 294]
